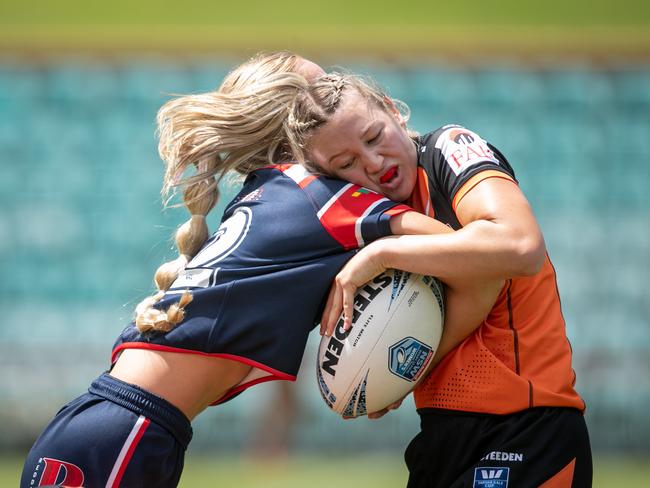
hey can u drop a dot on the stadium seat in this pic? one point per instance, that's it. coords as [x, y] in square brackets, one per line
[81, 82]
[151, 83]
[509, 90]
[576, 89]
[443, 87]
[632, 90]
[82, 231]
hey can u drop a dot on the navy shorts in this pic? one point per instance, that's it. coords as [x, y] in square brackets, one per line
[530, 449]
[115, 435]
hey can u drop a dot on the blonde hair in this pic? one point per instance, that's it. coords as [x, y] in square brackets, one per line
[239, 128]
[314, 106]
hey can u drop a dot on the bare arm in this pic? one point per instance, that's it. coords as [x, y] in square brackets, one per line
[500, 239]
[468, 301]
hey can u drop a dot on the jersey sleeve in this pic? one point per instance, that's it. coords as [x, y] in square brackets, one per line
[459, 159]
[352, 215]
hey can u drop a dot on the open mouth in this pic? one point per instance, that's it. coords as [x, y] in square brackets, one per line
[388, 175]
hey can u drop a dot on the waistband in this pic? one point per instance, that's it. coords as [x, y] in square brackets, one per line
[431, 412]
[142, 402]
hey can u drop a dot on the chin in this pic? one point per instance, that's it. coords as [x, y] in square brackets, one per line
[398, 196]
[406, 188]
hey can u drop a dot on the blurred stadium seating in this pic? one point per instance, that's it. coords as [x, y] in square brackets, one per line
[81, 227]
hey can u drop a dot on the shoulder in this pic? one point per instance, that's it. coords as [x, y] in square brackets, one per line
[457, 148]
[322, 191]
[298, 177]
[272, 188]
[452, 138]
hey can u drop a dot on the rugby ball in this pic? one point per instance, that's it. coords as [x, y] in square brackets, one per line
[396, 328]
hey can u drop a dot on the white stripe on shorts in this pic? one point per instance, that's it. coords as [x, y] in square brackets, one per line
[139, 426]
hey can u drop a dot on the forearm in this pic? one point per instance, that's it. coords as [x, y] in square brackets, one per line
[466, 308]
[468, 300]
[480, 250]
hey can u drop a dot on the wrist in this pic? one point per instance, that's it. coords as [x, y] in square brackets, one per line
[381, 252]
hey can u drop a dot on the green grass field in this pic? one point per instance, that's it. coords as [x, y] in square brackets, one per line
[379, 471]
[419, 27]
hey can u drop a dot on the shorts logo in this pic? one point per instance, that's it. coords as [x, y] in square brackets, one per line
[490, 477]
[408, 358]
[59, 473]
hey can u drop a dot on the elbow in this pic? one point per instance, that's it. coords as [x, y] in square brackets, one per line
[531, 254]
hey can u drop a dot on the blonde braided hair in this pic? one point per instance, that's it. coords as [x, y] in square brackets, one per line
[238, 128]
[314, 106]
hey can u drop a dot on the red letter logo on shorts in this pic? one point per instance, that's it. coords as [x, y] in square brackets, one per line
[61, 473]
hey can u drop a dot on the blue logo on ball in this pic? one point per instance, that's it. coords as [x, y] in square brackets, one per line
[409, 358]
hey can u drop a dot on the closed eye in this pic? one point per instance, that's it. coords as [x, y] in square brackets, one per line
[375, 138]
[348, 164]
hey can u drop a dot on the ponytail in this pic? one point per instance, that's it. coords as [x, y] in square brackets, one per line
[238, 128]
[199, 198]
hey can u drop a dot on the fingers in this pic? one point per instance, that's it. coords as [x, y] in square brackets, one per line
[395, 405]
[325, 317]
[357, 271]
[377, 415]
[348, 306]
[340, 300]
[331, 312]
[384, 411]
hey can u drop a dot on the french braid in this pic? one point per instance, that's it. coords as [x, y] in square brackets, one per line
[314, 106]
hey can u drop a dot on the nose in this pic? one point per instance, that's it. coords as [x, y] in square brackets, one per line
[373, 162]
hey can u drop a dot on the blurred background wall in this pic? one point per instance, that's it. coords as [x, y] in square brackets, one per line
[562, 88]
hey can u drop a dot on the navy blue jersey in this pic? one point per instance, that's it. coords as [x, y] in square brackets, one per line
[259, 282]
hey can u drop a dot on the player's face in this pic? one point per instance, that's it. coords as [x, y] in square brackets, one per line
[366, 145]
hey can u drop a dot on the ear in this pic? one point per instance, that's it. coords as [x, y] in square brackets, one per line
[394, 111]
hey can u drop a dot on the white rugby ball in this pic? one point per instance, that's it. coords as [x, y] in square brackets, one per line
[396, 329]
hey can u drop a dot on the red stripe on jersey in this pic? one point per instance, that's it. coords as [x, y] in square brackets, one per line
[244, 386]
[306, 181]
[296, 172]
[342, 214]
[281, 166]
[158, 347]
[272, 374]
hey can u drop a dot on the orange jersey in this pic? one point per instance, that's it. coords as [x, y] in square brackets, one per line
[520, 356]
